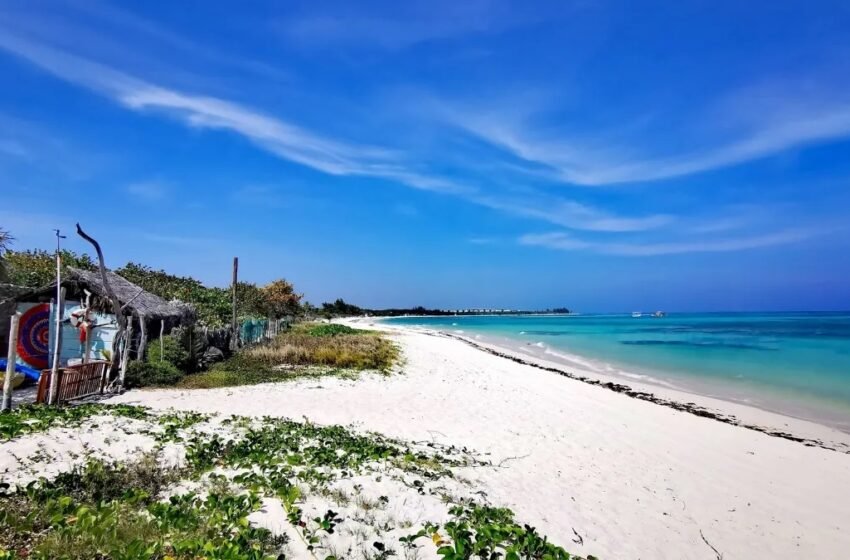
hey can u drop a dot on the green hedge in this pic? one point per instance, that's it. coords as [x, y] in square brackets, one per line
[172, 352]
[151, 374]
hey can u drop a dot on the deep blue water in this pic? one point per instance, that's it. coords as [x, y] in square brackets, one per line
[775, 360]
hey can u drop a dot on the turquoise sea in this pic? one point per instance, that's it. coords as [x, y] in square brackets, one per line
[793, 363]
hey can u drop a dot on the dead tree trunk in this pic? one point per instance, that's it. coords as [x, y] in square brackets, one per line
[120, 319]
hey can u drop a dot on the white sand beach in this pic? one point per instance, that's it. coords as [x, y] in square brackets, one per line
[596, 471]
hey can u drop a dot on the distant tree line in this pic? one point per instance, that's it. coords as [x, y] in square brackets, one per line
[340, 308]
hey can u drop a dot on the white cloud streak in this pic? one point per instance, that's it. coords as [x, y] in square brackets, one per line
[574, 215]
[566, 242]
[147, 191]
[595, 161]
[296, 144]
[402, 25]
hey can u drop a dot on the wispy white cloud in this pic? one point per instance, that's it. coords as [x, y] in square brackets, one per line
[294, 143]
[574, 156]
[820, 125]
[46, 151]
[104, 29]
[11, 147]
[567, 242]
[482, 240]
[281, 138]
[573, 214]
[402, 25]
[147, 191]
[273, 134]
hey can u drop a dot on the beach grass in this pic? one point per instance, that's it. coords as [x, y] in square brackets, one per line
[355, 351]
[235, 372]
[308, 350]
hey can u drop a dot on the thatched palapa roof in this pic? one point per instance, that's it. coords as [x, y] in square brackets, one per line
[138, 301]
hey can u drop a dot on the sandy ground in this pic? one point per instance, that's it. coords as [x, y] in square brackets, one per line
[598, 472]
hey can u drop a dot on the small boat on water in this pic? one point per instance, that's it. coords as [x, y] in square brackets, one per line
[659, 314]
[637, 314]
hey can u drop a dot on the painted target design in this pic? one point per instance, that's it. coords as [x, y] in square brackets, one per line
[34, 336]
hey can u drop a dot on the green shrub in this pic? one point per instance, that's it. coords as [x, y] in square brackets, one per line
[147, 374]
[331, 329]
[172, 352]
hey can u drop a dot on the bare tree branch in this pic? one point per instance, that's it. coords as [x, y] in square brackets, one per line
[116, 304]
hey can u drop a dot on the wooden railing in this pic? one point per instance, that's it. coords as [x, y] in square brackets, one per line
[74, 382]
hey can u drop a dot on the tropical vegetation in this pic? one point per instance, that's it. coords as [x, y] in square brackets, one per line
[342, 494]
[307, 350]
[35, 268]
[5, 242]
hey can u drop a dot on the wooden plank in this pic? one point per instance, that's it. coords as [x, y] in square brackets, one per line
[43, 382]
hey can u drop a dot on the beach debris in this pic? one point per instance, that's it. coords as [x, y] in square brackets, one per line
[717, 553]
[578, 540]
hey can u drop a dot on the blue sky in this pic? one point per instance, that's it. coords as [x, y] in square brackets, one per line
[595, 154]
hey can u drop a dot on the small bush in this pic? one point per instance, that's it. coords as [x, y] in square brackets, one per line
[148, 374]
[331, 329]
[98, 481]
[172, 352]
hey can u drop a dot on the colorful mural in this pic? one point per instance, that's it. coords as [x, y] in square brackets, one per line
[103, 329]
[34, 335]
[37, 334]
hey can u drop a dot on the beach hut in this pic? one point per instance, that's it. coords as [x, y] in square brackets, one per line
[88, 321]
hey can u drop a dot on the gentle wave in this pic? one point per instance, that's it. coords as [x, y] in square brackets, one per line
[605, 368]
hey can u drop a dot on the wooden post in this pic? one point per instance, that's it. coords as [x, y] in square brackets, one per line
[59, 309]
[143, 338]
[10, 365]
[161, 342]
[125, 355]
[234, 340]
[87, 355]
[87, 320]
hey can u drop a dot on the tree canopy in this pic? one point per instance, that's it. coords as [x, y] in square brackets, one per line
[36, 268]
[279, 299]
[5, 241]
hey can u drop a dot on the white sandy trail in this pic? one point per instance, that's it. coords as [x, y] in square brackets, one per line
[633, 479]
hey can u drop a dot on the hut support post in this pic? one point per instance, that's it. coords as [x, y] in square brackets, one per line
[59, 309]
[143, 338]
[161, 341]
[10, 365]
[125, 355]
[87, 354]
[234, 341]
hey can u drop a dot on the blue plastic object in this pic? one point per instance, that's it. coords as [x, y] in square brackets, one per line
[28, 371]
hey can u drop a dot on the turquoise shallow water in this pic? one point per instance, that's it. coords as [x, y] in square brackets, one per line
[795, 363]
